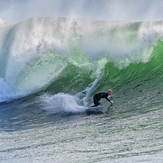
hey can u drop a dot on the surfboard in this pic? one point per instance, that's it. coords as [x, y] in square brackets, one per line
[95, 109]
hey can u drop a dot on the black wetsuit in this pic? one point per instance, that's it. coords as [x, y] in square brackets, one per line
[98, 96]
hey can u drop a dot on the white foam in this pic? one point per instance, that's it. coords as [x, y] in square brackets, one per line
[61, 103]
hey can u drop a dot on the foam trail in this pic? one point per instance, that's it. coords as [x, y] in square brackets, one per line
[61, 104]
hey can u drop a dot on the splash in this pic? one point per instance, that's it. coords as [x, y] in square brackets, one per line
[61, 104]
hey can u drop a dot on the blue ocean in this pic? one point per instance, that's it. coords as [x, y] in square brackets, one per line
[51, 65]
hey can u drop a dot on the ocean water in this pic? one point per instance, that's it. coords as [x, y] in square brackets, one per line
[50, 68]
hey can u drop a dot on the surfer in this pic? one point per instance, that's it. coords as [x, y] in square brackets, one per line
[98, 96]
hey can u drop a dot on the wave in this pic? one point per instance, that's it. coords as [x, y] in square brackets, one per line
[76, 56]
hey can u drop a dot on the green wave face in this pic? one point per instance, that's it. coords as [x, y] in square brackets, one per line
[135, 84]
[139, 84]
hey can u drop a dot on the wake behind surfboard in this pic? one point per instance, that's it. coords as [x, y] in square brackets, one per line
[96, 109]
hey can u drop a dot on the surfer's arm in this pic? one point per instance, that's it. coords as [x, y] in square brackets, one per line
[108, 100]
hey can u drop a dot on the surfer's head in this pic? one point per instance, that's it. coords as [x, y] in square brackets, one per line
[109, 92]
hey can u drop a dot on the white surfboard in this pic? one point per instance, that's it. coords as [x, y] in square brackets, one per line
[95, 109]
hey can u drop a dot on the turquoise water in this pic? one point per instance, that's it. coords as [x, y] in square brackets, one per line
[49, 70]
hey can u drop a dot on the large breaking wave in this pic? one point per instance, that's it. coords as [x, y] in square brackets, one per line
[77, 56]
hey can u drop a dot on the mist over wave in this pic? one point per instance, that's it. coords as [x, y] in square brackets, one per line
[110, 10]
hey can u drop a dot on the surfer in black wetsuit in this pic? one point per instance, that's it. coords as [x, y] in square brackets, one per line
[98, 96]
